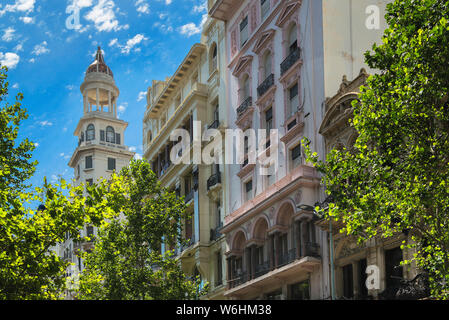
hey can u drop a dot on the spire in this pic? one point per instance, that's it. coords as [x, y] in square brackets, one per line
[99, 65]
[99, 56]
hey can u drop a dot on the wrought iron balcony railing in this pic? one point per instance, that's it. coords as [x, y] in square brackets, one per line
[262, 269]
[213, 180]
[244, 106]
[214, 125]
[265, 85]
[287, 257]
[239, 278]
[312, 249]
[294, 56]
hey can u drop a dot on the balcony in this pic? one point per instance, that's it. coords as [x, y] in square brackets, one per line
[289, 264]
[213, 180]
[244, 106]
[265, 85]
[292, 58]
[222, 9]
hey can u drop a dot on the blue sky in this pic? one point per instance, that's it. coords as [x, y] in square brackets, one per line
[142, 40]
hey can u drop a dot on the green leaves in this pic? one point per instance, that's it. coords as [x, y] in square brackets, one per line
[126, 262]
[396, 176]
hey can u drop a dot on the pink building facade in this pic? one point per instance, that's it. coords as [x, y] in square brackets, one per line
[274, 81]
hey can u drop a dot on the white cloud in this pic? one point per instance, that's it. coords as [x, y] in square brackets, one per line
[142, 6]
[32, 60]
[36, 144]
[27, 20]
[19, 5]
[9, 59]
[45, 123]
[15, 86]
[41, 49]
[122, 108]
[191, 29]
[65, 156]
[168, 1]
[8, 34]
[132, 149]
[200, 8]
[18, 48]
[103, 16]
[130, 44]
[138, 156]
[163, 27]
[142, 95]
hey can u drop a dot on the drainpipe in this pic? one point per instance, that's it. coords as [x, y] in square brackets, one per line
[331, 240]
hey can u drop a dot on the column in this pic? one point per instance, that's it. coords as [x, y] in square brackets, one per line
[270, 252]
[109, 102]
[85, 105]
[253, 261]
[115, 108]
[248, 262]
[229, 267]
[297, 237]
[276, 250]
[304, 237]
[98, 98]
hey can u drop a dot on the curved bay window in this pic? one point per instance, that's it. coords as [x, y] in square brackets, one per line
[110, 135]
[90, 132]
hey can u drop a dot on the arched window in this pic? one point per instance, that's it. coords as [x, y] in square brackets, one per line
[149, 136]
[90, 132]
[292, 39]
[267, 65]
[110, 135]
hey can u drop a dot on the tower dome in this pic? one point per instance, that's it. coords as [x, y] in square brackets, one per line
[99, 65]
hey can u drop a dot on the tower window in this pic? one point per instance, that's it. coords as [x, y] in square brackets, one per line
[249, 190]
[89, 164]
[90, 132]
[110, 135]
[111, 164]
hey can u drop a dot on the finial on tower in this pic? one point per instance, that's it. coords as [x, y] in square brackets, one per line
[99, 65]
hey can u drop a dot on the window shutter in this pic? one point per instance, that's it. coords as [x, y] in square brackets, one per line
[117, 138]
[101, 135]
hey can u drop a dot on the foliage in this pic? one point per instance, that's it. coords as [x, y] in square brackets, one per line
[126, 262]
[397, 176]
[28, 268]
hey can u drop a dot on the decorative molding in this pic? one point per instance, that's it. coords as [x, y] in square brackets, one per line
[287, 12]
[262, 41]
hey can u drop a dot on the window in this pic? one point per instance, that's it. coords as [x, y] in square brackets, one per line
[249, 190]
[88, 164]
[300, 291]
[292, 40]
[217, 113]
[90, 231]
[90, 132]
[111, 164]
[214, 62]
[117, 138]
[363, 290]
[219, 279]
[393, 268]
[267, 65]
[110, 135]
[102, 135]
[245, 88]
[269, 121]
[296, 156]
[77, 171]
[243, 31]
[348, 286]
[293, 99]
[265, 7]
[270, 178]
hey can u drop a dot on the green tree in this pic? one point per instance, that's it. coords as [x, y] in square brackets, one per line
[397, 177]
[28, 268]
[126, 262]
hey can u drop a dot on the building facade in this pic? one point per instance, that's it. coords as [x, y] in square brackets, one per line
[274, 81]
[101, 149]
[193, 99]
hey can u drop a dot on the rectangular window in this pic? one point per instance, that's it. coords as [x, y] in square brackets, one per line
[219, 279]
[348, 286]
[111, 164]
[296, 156]
[88, 163]
[89, 231]
[243, 31]
[300, 291]
[265, 7]
[102, 135]
[294, 99]
[393, 268]
[117, 138]
[268, 124]
[249, 190]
